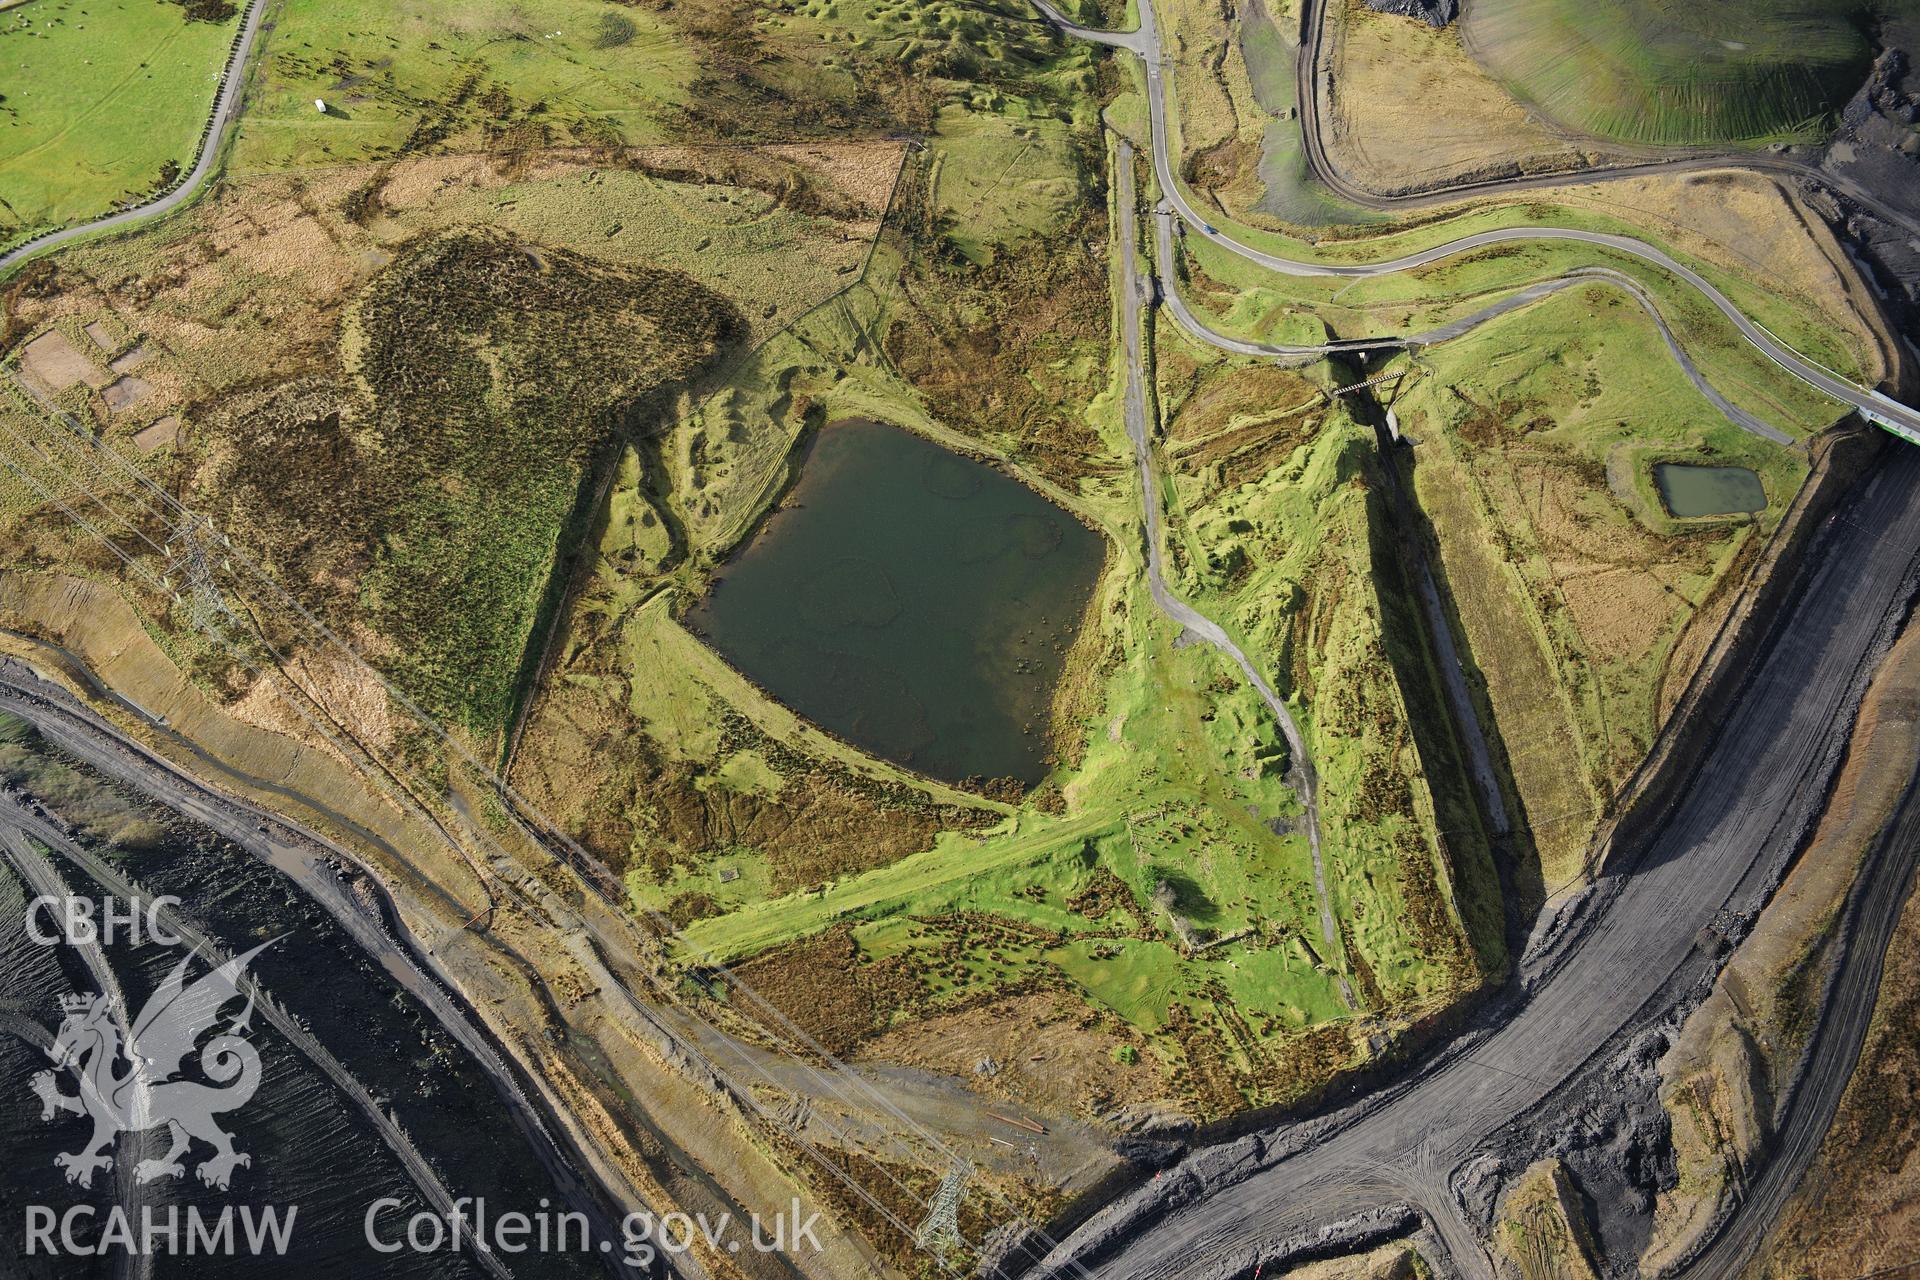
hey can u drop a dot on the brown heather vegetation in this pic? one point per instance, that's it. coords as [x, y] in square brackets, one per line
[1235, 424]
[997, 349]
[754, 86]
[1008, 344]
[826, 821]
[824, 986]
[432, 485]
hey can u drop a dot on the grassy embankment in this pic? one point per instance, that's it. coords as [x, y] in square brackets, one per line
[102, 103]
[1262, 304]
[100, 813]
[1582, 687]
[1552, 419]
[1542, 1226]
[1218, 109]
[1582, 604]
[1281, 531]
[1732, 71]
[241, 309]
[1467, 128]
[963, 330]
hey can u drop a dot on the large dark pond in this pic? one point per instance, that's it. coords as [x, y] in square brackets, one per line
[915, 602]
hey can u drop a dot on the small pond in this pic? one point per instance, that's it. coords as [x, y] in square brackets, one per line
[1708, 491]
[915, 602]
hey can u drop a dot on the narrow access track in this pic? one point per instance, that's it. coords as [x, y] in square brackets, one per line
[1305, 783]
[418, 1170]
[226, 109]
[1641, 934]
[1144, 42]
[1308, 91]
[136, 1148]
[1631, 942]
[1169, 289]
[1879, 896]
[297, 852]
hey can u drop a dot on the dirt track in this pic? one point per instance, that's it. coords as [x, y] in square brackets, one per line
[1309, 92]
[298, 853]
[1304, 783]
[1624, 951]
[1645, 930]
[1873, 913]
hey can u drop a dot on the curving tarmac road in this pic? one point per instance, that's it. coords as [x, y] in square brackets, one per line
[1460, 703]
[1752, 795]
[1304, 781]
[226, 109]
[1169, 294]
[1644, 930]
[1643, 933]
[1307, 93]
[1145, 43]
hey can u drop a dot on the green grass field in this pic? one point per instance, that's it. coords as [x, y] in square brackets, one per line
[440, 75]
[1180, 777]
[413, 77]
[1650, 71]
[1572, 588]
[1275, 530]
[1262, 305]
[998, 178]
[100, 102]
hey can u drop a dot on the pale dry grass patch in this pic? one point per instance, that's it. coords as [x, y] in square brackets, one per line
[1621, 613]
[863, 170]
[1409, 110]
[1749, 224]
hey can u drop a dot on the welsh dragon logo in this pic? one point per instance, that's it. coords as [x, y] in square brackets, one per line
[135, 1086]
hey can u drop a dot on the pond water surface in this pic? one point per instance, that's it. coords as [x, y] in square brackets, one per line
[911, 600]
[1708, 491]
